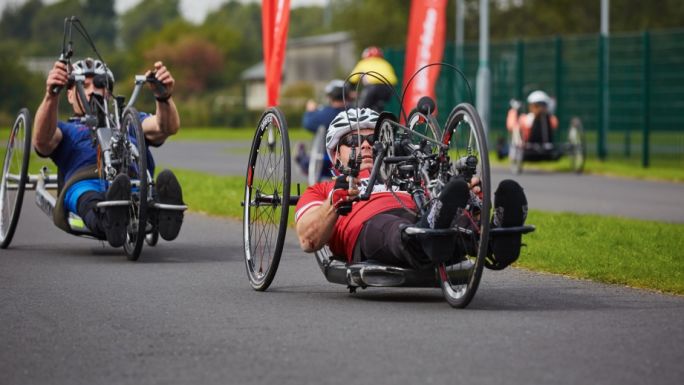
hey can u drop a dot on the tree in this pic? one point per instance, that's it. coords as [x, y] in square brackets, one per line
[147, 16]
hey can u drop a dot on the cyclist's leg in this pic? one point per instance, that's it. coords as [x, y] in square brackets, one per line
[110, 222]
[87, 210]
[381, 240]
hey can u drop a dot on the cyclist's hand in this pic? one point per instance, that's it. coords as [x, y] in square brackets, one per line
[342, 197]
[57, 78]
[475, 186]
[163, 75]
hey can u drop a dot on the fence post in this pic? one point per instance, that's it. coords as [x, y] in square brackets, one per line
[646, 99]
[520, 67]
[601, 142]
[559, 78]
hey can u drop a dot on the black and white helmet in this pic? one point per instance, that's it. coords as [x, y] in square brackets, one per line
[92, 67]
[337, 89]
[347, 121]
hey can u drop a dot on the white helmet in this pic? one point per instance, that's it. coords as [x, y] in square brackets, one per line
[538, 97]
[347, 121]
[95, 68]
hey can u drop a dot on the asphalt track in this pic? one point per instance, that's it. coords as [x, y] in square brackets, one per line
[76, 312]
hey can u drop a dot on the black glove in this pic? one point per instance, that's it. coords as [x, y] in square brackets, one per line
[339, 196]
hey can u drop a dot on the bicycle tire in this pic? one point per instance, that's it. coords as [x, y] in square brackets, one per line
[266, 199]
[317, 156]
[19, 141]
[459, 293]
[576, 144]
[136, 166]
[426, 125]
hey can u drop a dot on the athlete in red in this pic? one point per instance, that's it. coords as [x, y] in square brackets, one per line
[373, 229]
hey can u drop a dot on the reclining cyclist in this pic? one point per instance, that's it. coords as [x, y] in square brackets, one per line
[71, 147]
[373, 229]
[539, 124]
[338, 93]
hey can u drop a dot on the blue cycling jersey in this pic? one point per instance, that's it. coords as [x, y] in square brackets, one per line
[77, 149]
[320, 117]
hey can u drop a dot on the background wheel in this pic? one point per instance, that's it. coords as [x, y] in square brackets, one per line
[136, 164]
[317, 156]
[465, 136]
[424, 125]
[516, 153]
[577, 151]
[267, 199]
[14, 176]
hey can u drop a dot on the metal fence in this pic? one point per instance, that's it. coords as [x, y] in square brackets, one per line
[645, 103]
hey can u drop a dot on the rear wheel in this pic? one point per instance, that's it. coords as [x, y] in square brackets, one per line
[136, 164]
[576, 149]
[14, 176]
[464, 135]
[267, 199]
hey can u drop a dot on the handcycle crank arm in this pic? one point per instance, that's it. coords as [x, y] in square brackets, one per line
[139, 81]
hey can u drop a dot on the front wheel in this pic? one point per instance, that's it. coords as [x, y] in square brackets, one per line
[136, 164]
[266, 199]
[14, 176]
[464, 135]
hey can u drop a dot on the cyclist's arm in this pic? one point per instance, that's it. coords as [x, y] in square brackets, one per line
[46, 134]
[166, 121]
[315, 226]
[554, 122]
[512, 120]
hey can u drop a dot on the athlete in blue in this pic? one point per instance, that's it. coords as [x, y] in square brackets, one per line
[71, 147]
[338, 94]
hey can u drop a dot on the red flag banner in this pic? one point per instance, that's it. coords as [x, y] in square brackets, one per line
[275, 19]
[424, 45]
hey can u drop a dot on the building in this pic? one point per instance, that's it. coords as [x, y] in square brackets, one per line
[314, 59]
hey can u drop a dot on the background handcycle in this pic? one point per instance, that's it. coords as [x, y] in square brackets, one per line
[546, 149]
[117, 131]
[418, 157]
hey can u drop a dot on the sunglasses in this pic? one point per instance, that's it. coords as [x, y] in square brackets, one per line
[99, 81]
[353, 139]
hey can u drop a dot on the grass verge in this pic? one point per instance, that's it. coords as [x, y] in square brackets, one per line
[637, 253]
[632, 252]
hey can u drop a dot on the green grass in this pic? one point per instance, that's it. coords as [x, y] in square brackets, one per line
[637, 253]
[614, 250]
[671, 171]
[246, 134]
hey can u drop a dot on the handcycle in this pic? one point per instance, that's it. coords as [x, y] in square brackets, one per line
[419, 157]
[117, 131]
[544, 148]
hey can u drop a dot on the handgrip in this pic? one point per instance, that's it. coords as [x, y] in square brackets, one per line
[55, 88]
[160, 92]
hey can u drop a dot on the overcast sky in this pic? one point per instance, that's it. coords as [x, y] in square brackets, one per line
[193, 10]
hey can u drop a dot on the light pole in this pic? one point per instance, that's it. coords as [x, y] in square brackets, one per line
[483, 74]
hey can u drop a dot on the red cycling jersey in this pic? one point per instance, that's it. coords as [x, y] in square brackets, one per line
[347, 228]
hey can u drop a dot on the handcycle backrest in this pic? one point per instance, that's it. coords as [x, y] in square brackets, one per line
[541, 131]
